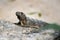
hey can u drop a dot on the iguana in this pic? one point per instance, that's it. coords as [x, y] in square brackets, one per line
[26, 21]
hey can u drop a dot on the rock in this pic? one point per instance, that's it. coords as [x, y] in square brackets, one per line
[10, 31]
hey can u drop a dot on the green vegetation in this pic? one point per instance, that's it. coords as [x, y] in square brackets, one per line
[39, 14]
[52, 26]
[31, 13]
[11, 0]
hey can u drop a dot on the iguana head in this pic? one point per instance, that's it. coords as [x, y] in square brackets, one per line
[20, 15]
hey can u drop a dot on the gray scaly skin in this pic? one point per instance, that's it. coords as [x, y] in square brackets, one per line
[29, 22]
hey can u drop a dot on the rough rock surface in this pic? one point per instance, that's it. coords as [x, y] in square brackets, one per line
[10, 31]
